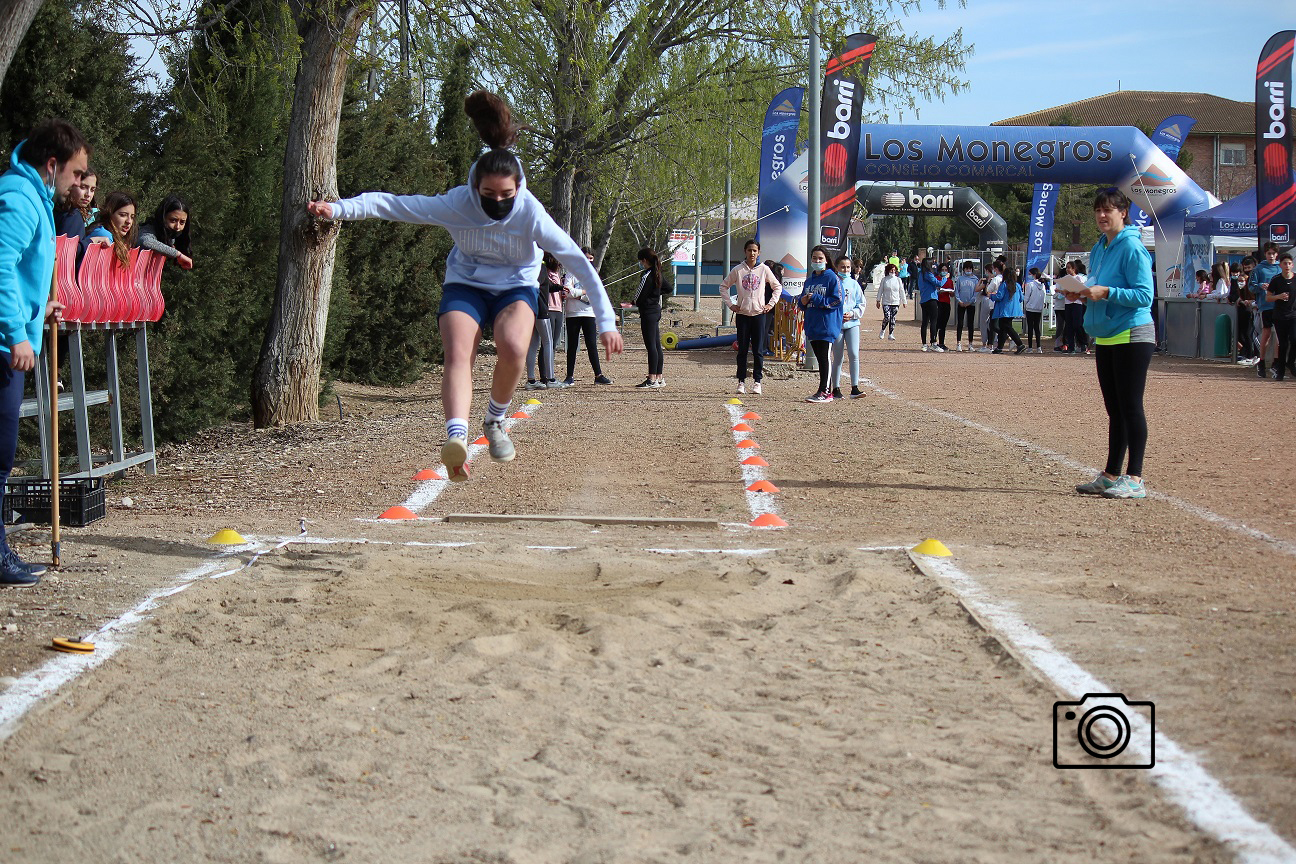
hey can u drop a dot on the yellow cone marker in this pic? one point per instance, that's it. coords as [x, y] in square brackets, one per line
[533, 402]
[735, 401]
[227, 537]
[933, 548]
[72, 646]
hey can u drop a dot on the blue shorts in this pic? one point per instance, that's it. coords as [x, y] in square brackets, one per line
[483, 306]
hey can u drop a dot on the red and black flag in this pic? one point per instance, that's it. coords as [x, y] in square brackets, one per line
[839, 125]
[1275, 191]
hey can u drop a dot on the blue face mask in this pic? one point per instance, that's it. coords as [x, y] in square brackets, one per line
[818, 266]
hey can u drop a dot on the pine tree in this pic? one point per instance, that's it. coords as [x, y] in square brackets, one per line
[457, 142]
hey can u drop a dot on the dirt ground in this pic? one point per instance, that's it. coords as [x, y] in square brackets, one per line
[380, 697]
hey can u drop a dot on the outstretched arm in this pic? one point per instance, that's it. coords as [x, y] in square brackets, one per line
[551, 238]
[416, 209]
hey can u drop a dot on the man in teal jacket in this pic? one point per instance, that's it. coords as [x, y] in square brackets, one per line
[42, 170]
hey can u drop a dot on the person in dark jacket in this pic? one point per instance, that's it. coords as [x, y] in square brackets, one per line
[42, 171]
[167, 233]
[648, 300]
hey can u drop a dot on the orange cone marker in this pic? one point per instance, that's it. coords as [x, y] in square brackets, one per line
[768, 520]
[755, 460]
[398, 512]
[481, 442]
[763, 486]
[427, 474]
[748, 444]
[751, 415]
[742, 427]
[520, 415]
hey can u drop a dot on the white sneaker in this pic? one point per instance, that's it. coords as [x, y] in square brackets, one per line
[958, 346]
[742, 386]
[756, 388]
[881, 334]
[892, 337]
[938, 349]
[924, 348]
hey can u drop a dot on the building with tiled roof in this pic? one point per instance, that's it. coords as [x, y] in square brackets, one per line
[1222, 144]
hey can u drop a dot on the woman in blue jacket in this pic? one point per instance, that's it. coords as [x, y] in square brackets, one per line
[822, 301]
[1007, 306]
[1118, 316]
[929, 285]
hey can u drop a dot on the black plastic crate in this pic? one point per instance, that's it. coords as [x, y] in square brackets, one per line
[81, 501]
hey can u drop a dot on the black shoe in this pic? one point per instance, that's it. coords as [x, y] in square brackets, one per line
[1260, 369]
[856, 393]
[602, 379]
[17, 573]
[997, 351]
[644, 385]
[1020, 349]
[837, 394]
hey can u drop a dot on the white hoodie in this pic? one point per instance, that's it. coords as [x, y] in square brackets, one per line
[488, 255]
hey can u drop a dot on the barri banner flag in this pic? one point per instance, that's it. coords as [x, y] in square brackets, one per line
[1169, 138]
[1039, 240]
[1275, 190]
[778, 140]
[839, 124]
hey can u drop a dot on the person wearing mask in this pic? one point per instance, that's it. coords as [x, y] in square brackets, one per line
[42, 171]
[1260, 277]
[890, 299]
[965, 296]
[985, 305]
[499, 228]
[648, 300]
[540, 350]
[848, 343]
[821, 300]
[1033, 299]
[1007, 298]
[943, 297]
[1280, 293]
[753, 289]
[167, 232]
[1118, 315]
[929, 285]
[578, 312]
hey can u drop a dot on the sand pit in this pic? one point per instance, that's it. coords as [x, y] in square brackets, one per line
[493, 703]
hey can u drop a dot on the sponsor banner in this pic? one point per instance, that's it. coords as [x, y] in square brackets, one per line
[959, 202]
[1039, 237]
[1275, 189]
[839, 124]
[1169, 138]
[778, 146]
[682, 246]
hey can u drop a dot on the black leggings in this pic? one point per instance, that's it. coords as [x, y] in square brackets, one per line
[1076, 337]
[942, 321]
[961, 313]
[821, 348]
[1033, 329]
[650, 327]
[929, 320]
[575, 327]
[1004, 327]
[1285, 362]
[1246, 332]
[1122, 376]
[751, 333]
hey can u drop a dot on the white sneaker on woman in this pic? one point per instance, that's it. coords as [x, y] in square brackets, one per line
[742, 386]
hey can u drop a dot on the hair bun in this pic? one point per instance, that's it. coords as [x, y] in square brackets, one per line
[491, 116]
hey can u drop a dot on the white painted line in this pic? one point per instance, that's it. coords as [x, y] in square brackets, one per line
[740, 552]
[759, 503]
[881, 548]
[1176, 772]
[1211, 516]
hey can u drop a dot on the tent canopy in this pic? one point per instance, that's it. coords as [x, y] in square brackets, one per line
[1236, 217]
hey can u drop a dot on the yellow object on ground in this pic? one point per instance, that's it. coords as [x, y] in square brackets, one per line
[934, 548]
[227, 537]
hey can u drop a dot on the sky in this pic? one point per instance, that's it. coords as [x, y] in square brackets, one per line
[1035, 55]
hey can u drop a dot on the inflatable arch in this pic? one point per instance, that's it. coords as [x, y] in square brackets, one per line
[1120, 156]
[961, 202]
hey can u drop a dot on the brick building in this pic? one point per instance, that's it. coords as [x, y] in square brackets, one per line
[1222, 143]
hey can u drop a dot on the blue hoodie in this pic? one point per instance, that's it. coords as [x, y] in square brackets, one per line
[1005, 306]
[26, 254]
[929, 286]
[823, 309]
[1263, 272]
[852, 300]
[1125, 268]
[489, 255]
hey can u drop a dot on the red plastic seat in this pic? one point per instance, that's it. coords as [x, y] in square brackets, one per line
[153, 287]
[93, 279]
[68, 292]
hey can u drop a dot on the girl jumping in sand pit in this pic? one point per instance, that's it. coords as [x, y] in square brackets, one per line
[499, 228]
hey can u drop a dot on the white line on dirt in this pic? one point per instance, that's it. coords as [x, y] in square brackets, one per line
[759, 503]
[1206, 802]
[1211, 516]
[711, 551]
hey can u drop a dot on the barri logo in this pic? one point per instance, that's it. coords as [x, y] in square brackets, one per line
[844, 110]
[829, 234]
[979, 215]
[1277, 108]
[893, 199]
[1152, 182]
[1280, 233]
[919, 201]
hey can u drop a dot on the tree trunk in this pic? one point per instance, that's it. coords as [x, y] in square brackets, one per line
[15, 17]
[286, 383]
[582, 208]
